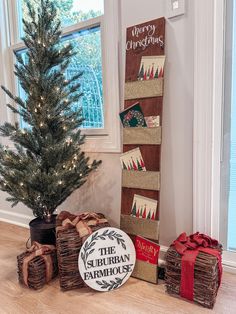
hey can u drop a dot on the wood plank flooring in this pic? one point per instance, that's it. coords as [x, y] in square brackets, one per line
[135, 296]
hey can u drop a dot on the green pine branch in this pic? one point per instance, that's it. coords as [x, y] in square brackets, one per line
[47, 164]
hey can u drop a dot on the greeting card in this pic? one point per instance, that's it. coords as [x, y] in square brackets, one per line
[132, 160]
[153, 121]
[133, 116]
[151, 67]
[146, 250]
[144, 207]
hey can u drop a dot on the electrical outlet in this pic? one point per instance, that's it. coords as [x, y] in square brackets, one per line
[175, 8]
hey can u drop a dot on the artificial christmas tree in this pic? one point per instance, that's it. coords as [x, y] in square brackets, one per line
[47, 164]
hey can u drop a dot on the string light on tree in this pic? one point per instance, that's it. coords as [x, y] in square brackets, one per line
[69, 141]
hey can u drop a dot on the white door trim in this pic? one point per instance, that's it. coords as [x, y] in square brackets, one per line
[208, 114]
[208, 96]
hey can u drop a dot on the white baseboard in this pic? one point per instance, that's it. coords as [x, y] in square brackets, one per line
[14, 218]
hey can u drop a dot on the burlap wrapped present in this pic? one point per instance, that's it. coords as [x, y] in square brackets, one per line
[37, 266]
[72, 230]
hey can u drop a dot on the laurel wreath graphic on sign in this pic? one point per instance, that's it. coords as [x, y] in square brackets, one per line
[88, 247]
[112, 284]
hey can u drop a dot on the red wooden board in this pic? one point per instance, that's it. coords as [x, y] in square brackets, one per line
[146, 39]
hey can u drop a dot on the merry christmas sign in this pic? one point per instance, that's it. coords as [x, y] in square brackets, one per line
[107, 259]
[145, 50]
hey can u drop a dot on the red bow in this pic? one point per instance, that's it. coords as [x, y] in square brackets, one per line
[189, 247]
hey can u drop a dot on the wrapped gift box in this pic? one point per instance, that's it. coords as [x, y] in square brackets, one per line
[194, 269]
[72, 231]
[37, 266]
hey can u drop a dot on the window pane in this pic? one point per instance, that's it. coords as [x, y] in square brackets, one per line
[87, 44]
[70, 11]
[22, 93]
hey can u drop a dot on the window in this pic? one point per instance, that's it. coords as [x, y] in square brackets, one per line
[87, 43]
[70, 11]
[91, 25]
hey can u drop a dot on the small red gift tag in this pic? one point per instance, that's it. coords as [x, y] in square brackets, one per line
[146, 250]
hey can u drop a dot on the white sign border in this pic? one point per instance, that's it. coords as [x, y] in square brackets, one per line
[101, 234]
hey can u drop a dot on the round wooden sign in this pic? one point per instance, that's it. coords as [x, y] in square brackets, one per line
[107, 259]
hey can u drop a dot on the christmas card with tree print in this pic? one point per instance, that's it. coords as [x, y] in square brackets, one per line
[132, 160]
[151, 67]
[146, 250]
[144, 207]
[133, 116]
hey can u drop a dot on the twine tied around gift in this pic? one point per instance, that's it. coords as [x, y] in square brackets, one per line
[82, 222]
[189, 247]
[44, 251]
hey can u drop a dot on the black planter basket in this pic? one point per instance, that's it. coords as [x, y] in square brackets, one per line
[43, 232]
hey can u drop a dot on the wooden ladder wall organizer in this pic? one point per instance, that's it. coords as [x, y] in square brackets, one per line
[145, 39]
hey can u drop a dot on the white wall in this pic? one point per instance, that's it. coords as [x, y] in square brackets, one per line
[103, 190]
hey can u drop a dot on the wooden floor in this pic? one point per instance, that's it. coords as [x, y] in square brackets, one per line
[135, 296]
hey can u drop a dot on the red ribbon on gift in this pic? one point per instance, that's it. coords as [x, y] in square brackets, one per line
[189, 247]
